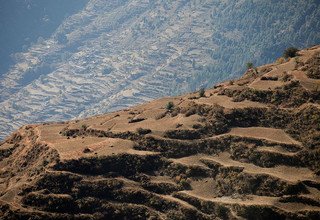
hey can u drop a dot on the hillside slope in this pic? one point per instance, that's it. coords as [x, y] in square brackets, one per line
[247, 148]
[113, 54]
[26, 22]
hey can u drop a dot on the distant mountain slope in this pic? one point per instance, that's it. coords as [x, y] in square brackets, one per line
[245, 149]
[23, 22]
[113, 54]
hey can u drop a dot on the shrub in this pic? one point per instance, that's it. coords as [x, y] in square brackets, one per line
[170, 106]
[290, 52]
[286, 77]
[162, 115]
[280, 60]
[86, 150]
[84, 127]
[222, 211]
[249, 65]
[313, 67]
[271, 78]
[134, 120]
[143, 131]
[185, 184]
[202, 92]
[182, 134]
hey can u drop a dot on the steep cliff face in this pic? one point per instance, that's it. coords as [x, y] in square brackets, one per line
[245, 148]
[113, 54]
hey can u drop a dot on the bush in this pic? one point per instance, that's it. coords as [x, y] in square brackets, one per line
[185, 184]
[84, 127]
[286, 77]
[143, 131]
[202, 92]
[134, 120]
[271, 78]
[182, 134]
[290, 52]
[222, 211]
[280, 60]
[249, 65]
[313, 67]
[170, 106]
[87, 150]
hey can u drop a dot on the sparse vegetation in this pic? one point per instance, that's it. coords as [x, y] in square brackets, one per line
[136, 119]
[290, 52]
[202, 92]
[200, 146]
[280, 60]
[184, 184]
[84, 127]
[313, 67]
[286, 77]
[143, 131]
[272, 78]
[170, 106]
[249, 65]
[87, 150]
[292, 94]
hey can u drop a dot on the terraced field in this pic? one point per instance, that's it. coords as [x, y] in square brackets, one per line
[111, 55]
[247, 149]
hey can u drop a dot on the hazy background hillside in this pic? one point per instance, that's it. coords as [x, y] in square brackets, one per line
[24, 22]
[108, 55]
